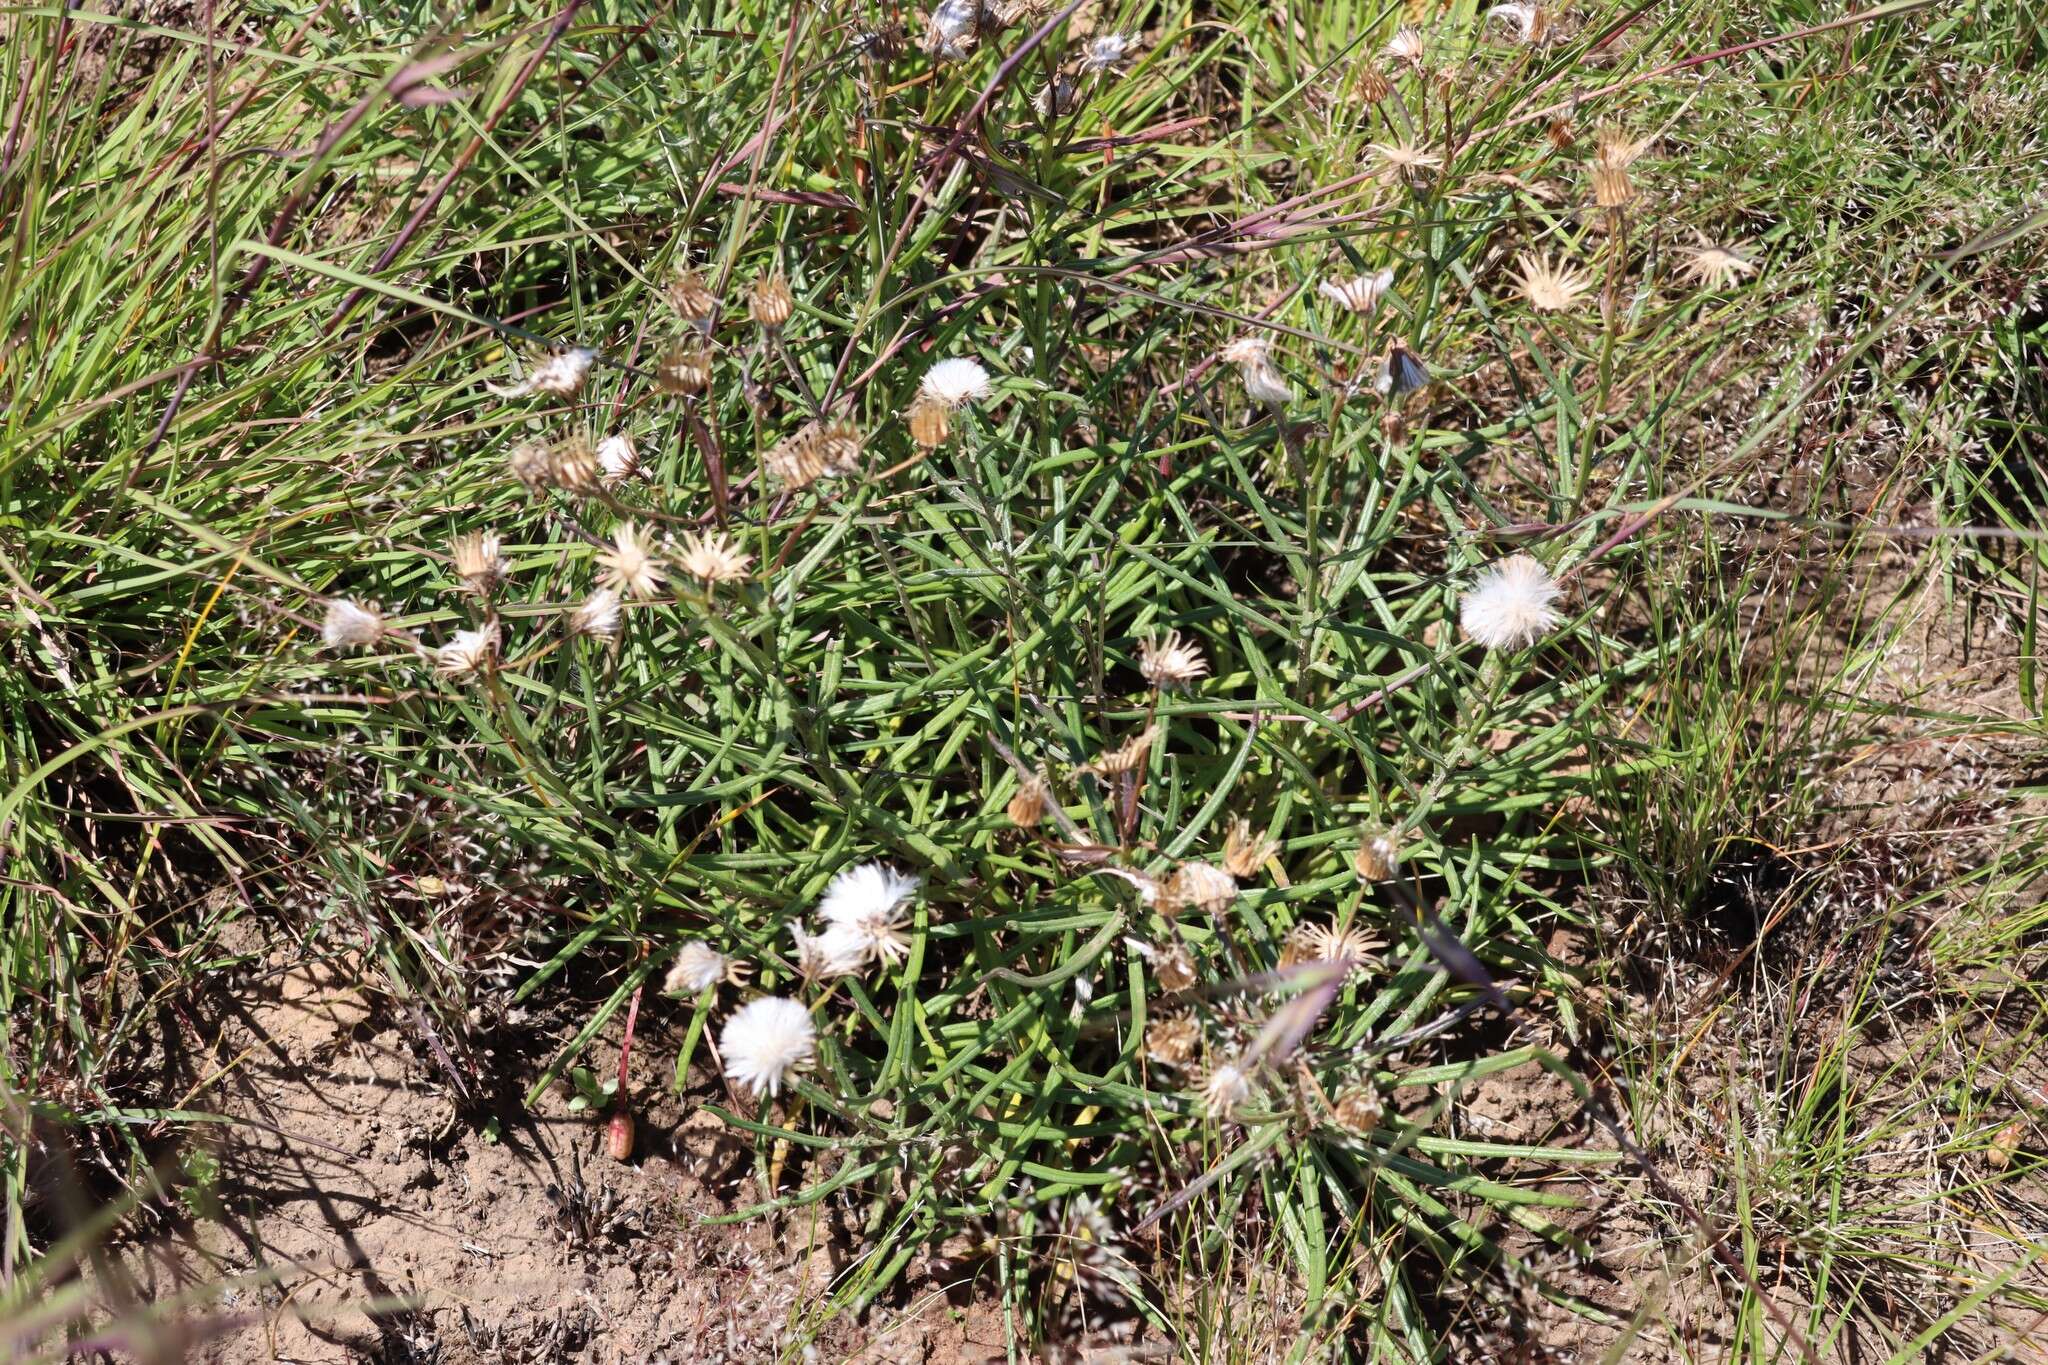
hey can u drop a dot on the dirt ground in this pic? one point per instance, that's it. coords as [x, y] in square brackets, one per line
[379, 1229]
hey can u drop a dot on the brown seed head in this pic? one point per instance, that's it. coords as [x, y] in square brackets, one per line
[1358, 1110]
[1377, 857]
[931, 421]
[693, 298]
[1027, 807]
[1197, 886]
[769, 301]
[478, 561]
[1373, 85]
[1171, 1041]
[685, 368]
[1126, 757]
[1245, 853]
[530, 463]
[573, 465]
[1174, 966]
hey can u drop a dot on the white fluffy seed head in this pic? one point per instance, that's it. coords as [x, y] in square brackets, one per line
[1360, 295]
[863, 909]
[1106, 52]
[618, 458]
[1225, 1089]
[559, 375]
[467, 653]
[766, 1042]
[350, 624]
[597, 615]
[956, 381]
[1511, 604]
[697, 967]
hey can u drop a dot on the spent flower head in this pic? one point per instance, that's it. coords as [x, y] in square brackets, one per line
[349, 625]
[1550, 286]
[629, 566]
[712, 557]
[558, 375]
[1170, 661]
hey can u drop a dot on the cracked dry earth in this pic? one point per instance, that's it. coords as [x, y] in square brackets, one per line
[378, 1228]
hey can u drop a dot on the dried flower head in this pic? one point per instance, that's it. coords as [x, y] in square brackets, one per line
[1106, 52]
[1173, 967]
[1716, 267]
[468, 652]
[1361, 295]
[1613, 154]
[1406, 162]
[1027, 806]
[1244, 853]
[950, 32]
[1550, 286]
[1373, 85]
[1224, 1088]
[1511, 604]
[558, 375]
[597, 615]
[955, 382]
[1126, 757]
[1406, 45]
[573, 466]
[813, 452]
[693, 299]
[349, 624]
[1058, 96]
[766, 1042]
[479, 560]
[769, 301]
[1171, 1041]
[1299, 946]
[1170, 661]
[1353, 946]
[1007, 12]
[930, 421]
[618, 459]
[1531, 23]
[698, 967]
[864, 911]
[712, 558]
[1401, 373]
[629, 566]
[1377, 856]
[1263, 382]
[532, 463]
[1197, 886]
[684, 368]
[1359, 1109]
[813, 959]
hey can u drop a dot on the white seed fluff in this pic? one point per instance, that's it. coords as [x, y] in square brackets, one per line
[767, 1041]
[1225, 1089]
[467, 652]
[618, 457]
[1510, 605]
[696, 967]
[349, 624]
[561, 374]
[863, 913]
[956, 381]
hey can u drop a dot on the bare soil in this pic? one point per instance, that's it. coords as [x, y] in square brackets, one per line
[378, 1226]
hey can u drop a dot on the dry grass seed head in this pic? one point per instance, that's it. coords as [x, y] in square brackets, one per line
[1172, 1040]
[693, 298]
